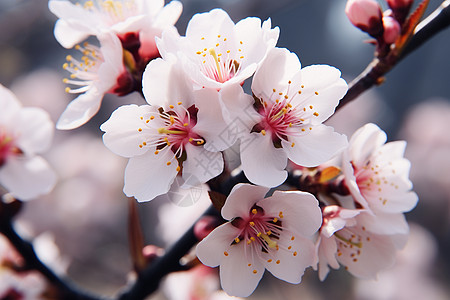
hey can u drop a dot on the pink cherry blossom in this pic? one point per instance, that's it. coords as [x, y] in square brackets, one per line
[291, 105]
[99, 71]
[24, 133]
[376, 172]
[345, 240]
[176, 135]
[217, 52]
[271, 233]
[366, 15]
[145, 19]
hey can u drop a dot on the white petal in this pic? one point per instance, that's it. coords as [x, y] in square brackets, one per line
[317, 146]
[9, 104]
[210, 251]
[275, 72]
[27, 178]
[237, 109]
[122, 135]
[382, 223]
[148, 175]
[262, 163]
[169, 14]
[292, 263]
[364, 142]
[241, 199]
[112, 67]
[210, 122]
[67, 35]
[240, 271]
[201, 165]
[80, 110]
[327, 256]
[34, 130]
[300, 210]
[209, 25]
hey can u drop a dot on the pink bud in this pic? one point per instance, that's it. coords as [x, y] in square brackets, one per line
[392, 30]
[396, 4]
[400, 9]
[366, 15]
[204, 226]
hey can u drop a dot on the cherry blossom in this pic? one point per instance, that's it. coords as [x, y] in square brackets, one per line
[262, 233]
[217, 52]
[291, 104]
[24, 132]
[139, 20]
[177, 136]
[376, 172]
[100, 70]
[345, 240]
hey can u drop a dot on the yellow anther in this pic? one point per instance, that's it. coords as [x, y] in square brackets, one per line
[152, 117]
[65, 80]
[292, 145]
[69, 57]
[254, 211]
[254, 271]
[251, 223]
[295, 253]
[278, 262]
[237, 240]
[67, 90]
[292, 238]
[178, 169]
[275, 220]
[258, 234]
[156, 152]
[140, 129]
[316, 114]
[144, 143]
[263, 132]
[225, 253]
[252, 239]
[317, 93]
[185, 124]
[179, 103]
[269, 232]
[140, 146]
[171, 106]
[168, 163]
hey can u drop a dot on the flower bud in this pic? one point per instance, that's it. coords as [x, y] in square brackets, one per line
[366, 15]
[400, 9]
[392, 30]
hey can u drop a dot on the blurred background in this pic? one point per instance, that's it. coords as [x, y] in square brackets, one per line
[86, 213]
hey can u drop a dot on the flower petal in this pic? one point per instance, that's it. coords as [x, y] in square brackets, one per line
[382, 223]
[80, 110]
[122, 135]
[148, 175]
[27, 178]
[201, 165]
[263, 164]
[320, 144]
[241, 199]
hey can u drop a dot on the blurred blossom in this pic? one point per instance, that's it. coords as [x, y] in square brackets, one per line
[24, 133]
[428, 149]
[366, 15]
[26, 285]
[411, 277]
[392, 29]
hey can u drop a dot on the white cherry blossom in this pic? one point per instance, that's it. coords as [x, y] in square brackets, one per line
[176, 135]
[217, 52]
[345, 240]
[145, 18]
[376, 172]
[99, 71]
[291, 103]
[24, 133]
[271, 233]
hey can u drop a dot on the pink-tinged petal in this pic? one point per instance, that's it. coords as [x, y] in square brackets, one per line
[168, 43]
[240, 271]
[364, 142]
[300, 210]
[168, 15]
[383, 223]
[27, 178]
[34, 130]
[263, 164]
[210, 122]
[336, 218]
[201, 165]
[211, 250]
[318, 145]
[80, 110]
[390, 200]
[112, 67]
[148, 175]
[122, 135]
[241, 200]
[289, 265]
[350, 180]
[327, 249]
[278, 68]
[375, 253]
[391, 151]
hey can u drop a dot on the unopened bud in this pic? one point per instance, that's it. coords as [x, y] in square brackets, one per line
[204, 226]
[366, 15]
[400, 9]
[392, 30]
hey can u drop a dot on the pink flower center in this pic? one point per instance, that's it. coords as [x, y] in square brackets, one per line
[7, 147]
[176, 131]
[220, 63]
